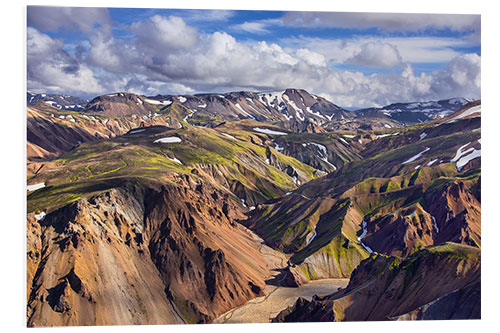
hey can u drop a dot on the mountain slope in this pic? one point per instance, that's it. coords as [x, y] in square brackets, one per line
[157, 198]
[383, 288]
[409, 191]
[108, 259]
[138, 208]
[62, 102]
[417, 112]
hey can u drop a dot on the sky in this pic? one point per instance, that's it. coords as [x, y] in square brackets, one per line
[353, 59]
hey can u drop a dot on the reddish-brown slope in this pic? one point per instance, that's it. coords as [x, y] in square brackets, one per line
[160, 254]
[381, 289]
[51, 132]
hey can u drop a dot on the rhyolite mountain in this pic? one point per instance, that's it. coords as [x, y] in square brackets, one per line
[417, 187]
[62, 102]
[292, 108]
[416, 112]
[436, 283]
[154, 211]
[141, 209]
[54, 125]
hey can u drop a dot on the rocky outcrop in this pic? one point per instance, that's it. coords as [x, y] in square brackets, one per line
[92, 271]
[293, 276]
[318, 233]
[119, 105]
[401, 232]
[52, 132]
[382, 288]
[457, 213]
[141, 254]
[464, 303]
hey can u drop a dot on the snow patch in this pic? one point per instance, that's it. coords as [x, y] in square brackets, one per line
[324, 154]
[411, 159]
[349, 136]
[435, 224]
[35, 187]
[202, 106]
[423, 135]
[363, 234]
[268, 131]
[461, 152]
[473, 110]
[174, 160]
[182, 99]
[464, 157]
[273, 99]
[41, 216]
[229, 136]
[170, 139]
[137, 131]
[243, 111]
[308, 109]
[313, 236]
[278, 147]
[431, 162]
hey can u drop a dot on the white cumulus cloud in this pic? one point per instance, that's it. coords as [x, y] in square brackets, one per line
[52, 68]
[52, 19]
[376, 54]
[165, 55]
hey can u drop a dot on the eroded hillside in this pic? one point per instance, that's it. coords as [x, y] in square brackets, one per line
[140, 209]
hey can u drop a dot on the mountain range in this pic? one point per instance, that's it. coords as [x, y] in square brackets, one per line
[178, 209]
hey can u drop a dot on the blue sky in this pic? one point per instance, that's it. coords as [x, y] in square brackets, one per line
[353, 59]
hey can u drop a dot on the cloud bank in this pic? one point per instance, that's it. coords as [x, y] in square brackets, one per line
[164, 54]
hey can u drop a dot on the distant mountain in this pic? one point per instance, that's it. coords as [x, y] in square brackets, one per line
[62, 102]
[416, 112]
[293, 109]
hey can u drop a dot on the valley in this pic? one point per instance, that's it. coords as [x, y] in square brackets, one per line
[251, 207]
[277, 299]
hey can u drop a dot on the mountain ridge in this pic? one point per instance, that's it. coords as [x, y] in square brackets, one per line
[163, 187]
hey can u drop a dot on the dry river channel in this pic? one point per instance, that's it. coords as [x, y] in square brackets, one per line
[277, 298]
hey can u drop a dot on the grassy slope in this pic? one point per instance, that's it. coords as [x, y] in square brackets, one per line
[378, 184]
[96, 166]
